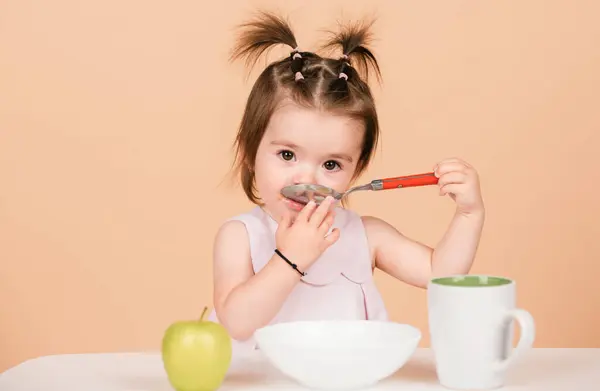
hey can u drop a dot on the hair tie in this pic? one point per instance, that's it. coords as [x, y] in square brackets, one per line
[345, 64]
[296, 60]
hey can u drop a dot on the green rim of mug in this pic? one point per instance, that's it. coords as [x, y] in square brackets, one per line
[472, 281]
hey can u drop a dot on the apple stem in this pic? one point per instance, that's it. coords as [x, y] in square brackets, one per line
[203, 313]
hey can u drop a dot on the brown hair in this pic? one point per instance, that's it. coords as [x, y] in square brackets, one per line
[308, 79]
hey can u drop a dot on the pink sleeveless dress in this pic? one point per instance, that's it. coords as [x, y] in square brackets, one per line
[338, 286]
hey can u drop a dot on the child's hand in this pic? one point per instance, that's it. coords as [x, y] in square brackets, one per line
[460, 180]
[304, 240]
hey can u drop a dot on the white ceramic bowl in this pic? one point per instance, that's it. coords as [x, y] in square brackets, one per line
[338, 355]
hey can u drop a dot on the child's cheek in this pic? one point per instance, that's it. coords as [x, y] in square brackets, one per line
[337, 180]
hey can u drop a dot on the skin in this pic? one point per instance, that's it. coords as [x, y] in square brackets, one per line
[304, 145]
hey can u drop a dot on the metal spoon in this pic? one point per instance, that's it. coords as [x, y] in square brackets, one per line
[303, 193]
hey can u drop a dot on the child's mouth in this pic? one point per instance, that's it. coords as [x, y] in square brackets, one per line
[294, 205]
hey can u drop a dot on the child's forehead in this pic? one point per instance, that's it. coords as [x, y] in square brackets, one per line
[311, 127]
[292, 115]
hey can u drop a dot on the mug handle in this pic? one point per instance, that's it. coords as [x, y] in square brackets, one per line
[527, 326]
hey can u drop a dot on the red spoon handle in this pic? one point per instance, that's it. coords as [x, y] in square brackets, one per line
[408, 181]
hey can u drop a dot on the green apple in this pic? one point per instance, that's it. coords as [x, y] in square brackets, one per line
[196, 354]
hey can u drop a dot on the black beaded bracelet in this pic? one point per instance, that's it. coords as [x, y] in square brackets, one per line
[293, 265]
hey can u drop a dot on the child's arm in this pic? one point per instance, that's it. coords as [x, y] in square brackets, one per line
[416, 263]
[245, 301]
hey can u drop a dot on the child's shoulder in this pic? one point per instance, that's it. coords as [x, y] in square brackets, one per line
[239, 226]
[233, 237]
[231, 231]
[374, 227]
[368, 221]
[238, 222]
[372, 222]
[378, 231]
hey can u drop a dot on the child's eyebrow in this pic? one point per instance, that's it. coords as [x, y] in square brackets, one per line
[285, 144]
[342, 156]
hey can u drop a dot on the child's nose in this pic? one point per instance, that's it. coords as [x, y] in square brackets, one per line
[305, 175]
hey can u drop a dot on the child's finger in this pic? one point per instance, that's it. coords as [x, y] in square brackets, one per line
[307, 211]
[327, 223]
[332, 238]
[452, 177]
[446, 167]
[285, 219]
[452, 188]
[321, 212]
[452, 160]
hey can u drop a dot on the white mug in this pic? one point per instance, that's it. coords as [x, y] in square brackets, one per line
[471, 321]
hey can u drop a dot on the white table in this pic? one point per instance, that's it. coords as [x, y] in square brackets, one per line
[539, 370]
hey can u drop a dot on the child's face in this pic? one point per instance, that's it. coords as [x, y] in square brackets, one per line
[303, 145]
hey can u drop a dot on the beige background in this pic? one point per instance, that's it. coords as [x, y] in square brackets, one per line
[116, 120]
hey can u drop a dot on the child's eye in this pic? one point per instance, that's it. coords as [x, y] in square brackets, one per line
[287, 155]
[331, 165]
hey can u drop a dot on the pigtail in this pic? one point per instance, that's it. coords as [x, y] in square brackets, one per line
[353, 40]
[260, 35]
